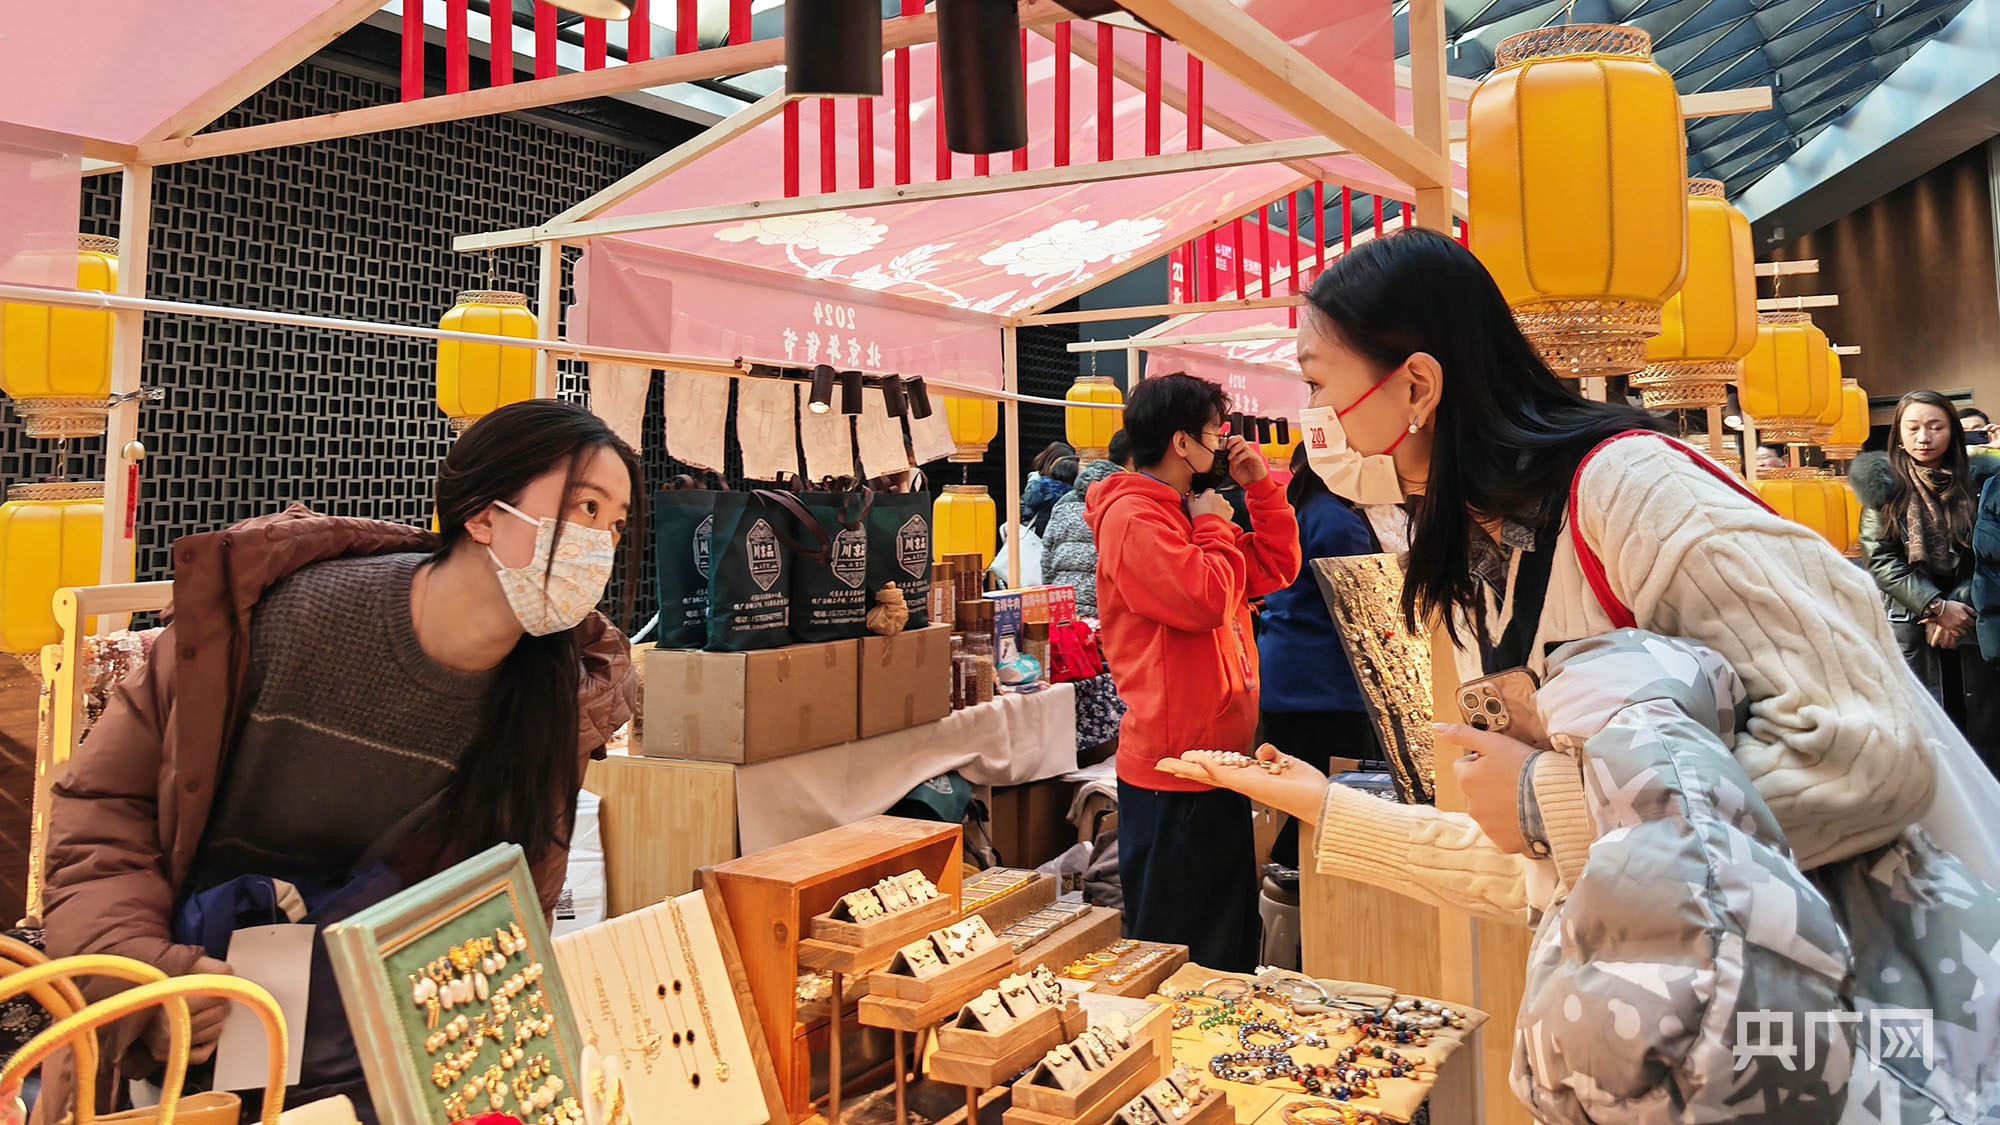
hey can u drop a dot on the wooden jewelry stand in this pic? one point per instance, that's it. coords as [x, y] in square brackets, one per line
[1148, 1060]
[981, 1060]
[904, 1004]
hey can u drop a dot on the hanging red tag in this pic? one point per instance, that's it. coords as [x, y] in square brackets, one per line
[131, 498]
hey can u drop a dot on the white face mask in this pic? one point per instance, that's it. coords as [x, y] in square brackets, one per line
[1369, 479]
[548, 597]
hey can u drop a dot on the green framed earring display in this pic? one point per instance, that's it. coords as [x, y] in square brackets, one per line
[455, 1000]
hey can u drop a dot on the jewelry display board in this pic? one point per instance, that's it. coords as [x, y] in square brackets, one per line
[1203, 1037]
[654, 989]
[1364, 593]
[413, 966]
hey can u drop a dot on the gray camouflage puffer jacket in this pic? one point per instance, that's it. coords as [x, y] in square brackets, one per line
[1069, 550]
[1692, 973]
[1690, 914]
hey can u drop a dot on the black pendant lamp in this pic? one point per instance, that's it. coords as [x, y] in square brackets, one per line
[833, 48]
[979, 54]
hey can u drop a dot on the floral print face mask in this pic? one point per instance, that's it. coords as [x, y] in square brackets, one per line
[552, 594]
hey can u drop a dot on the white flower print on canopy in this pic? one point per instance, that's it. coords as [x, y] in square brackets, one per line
[835, 234]
[1065, 252]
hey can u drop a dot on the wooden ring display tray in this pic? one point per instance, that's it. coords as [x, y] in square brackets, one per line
[985, 1059]
[849, 948]
[902, 1003]
[1105, 1094]
[1214, 1110]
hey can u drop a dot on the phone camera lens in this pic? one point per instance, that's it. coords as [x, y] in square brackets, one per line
[1470, 700]
[1493, 707]
[1479, 722]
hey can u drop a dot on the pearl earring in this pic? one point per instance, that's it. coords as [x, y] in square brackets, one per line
[1413, 427]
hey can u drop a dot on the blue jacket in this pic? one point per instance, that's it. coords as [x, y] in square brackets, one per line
[1305, 668]
[1986, 567]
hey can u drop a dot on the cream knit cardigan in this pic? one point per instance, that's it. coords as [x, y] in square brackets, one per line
[1836, 742]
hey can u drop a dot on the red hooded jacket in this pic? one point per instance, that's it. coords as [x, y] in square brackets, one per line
[1173, 600]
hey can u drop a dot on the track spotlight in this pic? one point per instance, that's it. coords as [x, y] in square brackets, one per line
[822, 392]
[1263, 431]
[1284, 432]
[979, 57]
[893, 397]
[833, 48]
[850, 392]
[920, 397]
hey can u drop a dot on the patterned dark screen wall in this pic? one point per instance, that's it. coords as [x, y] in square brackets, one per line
[260, 416]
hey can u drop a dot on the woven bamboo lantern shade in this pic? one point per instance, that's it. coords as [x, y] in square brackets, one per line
[1784, 388]
[474, 380]
[55, 363]
[1850, 433]
[50, 536]
[1089, 429]
[1711, 324]
[1576, 165]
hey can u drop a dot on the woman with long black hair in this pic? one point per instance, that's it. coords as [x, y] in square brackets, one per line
[1542, 518]
[344, 707]
[1921, 500]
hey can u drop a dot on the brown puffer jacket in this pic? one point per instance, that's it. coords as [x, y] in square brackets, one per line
[129, 813]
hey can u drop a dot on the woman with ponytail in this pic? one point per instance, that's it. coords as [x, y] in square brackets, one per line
[341, 707]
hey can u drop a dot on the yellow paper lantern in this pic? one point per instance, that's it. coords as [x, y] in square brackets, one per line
[1850, 433]
[963, 522]
[55, 363]
[1284, 442]
[1089, 429]
[1576, 166]
[1853, 548]
[974, 423]
[1784, 387]
[50, 537]
[1819, 502]
[1836, 403]
[474, 380]
[1711, 324]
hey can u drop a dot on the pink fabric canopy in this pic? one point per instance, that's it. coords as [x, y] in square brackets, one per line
[115, 70]
[1261, 376]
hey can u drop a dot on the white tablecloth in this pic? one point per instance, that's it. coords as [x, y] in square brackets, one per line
[1011, 741]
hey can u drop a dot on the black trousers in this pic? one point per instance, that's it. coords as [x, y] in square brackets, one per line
[1189, 868]
[1964, 682]
[1315, 737]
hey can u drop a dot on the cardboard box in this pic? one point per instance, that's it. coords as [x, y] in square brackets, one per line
[905, 680]
[745, 707]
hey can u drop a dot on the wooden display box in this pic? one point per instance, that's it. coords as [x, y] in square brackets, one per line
[902, 1003]
[743, 707]
[1039, 890]
[847, 945]
[1145, 983]
[985, 1059]
[1214, 1110]
[772, 897]
[905, 680]
[661, 821]
[1093, 930]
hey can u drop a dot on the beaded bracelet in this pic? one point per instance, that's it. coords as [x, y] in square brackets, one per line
[1328, 1113]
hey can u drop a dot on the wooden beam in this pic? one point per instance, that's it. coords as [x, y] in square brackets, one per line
[1431, 106]
[1150, 254]
[331, 23]
[718, 62]
[1225, 36]
[1847, 349]
[1788, 269]
[680, 156]
[1186, 308]
[1010, 381]
[1797, 304]
[1235, 156]
[548, 313]
[128, 367]
[1725, 103]
[1241, 335]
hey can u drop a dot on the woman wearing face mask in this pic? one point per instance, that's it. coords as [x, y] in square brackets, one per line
[346, 706]
[1921, 502]
[1423, 387]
